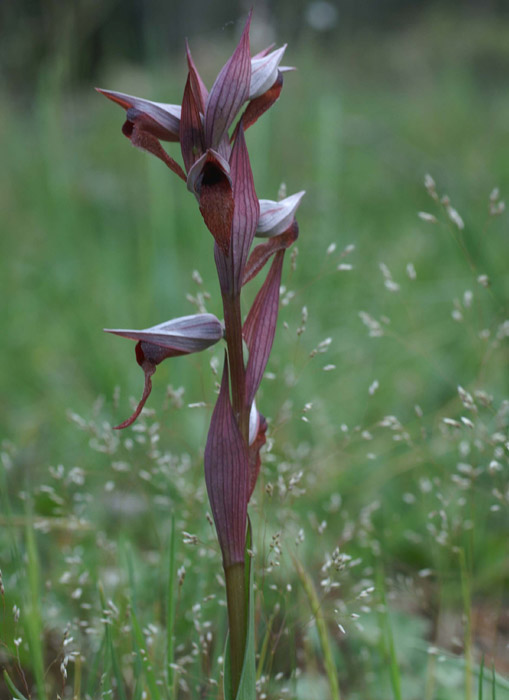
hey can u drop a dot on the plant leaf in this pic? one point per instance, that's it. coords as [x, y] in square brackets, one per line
[191, 127]
[246, 211]
[198, 86]
[262, 103]
[16, 694]
[260, 326]
[227, 476]
[229, 92]
[263, 252]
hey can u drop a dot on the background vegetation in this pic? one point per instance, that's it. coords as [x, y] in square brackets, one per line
[381, 518]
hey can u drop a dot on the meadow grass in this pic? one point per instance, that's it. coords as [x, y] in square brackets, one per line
[383, 480]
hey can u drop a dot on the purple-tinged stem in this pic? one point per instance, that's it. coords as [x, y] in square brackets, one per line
[233, 334]
[235, 574]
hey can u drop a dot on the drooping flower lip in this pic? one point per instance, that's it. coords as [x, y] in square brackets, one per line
[180, 336]
[158, 118]
[276, 217]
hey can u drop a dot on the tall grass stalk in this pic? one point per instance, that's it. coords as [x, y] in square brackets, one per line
[321, 626]
[33, 618]
[467, 612]
[171, 604]
[390, 648]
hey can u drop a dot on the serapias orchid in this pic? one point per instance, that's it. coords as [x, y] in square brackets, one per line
[210, 128]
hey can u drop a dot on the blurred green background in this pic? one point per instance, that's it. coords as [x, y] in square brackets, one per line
[96, 234]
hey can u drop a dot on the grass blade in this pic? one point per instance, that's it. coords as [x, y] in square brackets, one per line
[110, 648]
[481, 679]
[314, 602]
[16, 694]
[171, 603]
[94, 669]
[33, 621]
[140, 645]
[467, 611]
[265, 646]
[138, 691]
[389, 641]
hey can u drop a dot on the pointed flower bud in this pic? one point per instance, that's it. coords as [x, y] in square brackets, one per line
[276, 217]
[180, 336]
[264, 72]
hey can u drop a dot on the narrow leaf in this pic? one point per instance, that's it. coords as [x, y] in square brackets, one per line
[257, 106]
[191, 127]
[111, 649]
[16, 694]
[227, 476]
[140, 646]
[263, 252]
[247, 209]
[171, 604]
[260, 326]
[229, 92]
[481, 679]
[199, 90]
[321, 626]
[33, 617]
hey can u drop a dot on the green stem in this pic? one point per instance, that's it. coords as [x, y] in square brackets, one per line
[237, 620]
